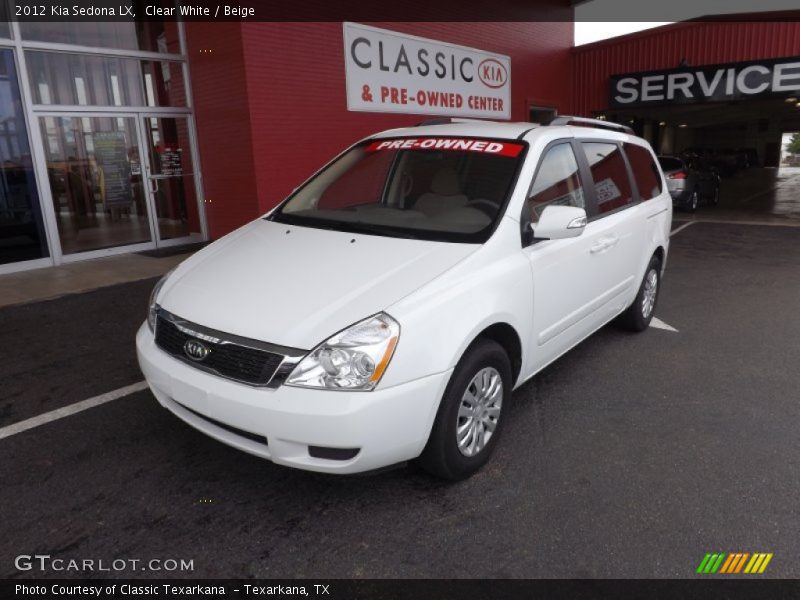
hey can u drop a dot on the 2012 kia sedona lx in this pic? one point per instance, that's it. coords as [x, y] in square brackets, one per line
[386, 310]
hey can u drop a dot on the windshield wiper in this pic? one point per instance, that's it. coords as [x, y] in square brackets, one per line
[345, 225]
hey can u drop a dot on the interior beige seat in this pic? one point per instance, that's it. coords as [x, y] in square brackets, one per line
[445, 194]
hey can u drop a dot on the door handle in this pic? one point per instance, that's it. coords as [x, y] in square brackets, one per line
[152, 184]
[604, 244]
[599, 247]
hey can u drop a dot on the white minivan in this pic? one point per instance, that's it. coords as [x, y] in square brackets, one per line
[387, 309]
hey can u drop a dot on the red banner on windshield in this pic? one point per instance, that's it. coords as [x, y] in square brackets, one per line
[463, 144]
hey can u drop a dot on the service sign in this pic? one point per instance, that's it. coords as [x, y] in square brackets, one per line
[708, 83]
[393, 72]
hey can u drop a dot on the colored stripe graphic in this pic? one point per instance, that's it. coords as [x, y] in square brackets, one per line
[734, 563]
[734, 560]
[765, 563]
[727, 564]
[712, 563]
[703, 563]
[740, 564]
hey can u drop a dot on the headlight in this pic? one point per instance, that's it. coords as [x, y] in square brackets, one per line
[353, 359]
[152, 307]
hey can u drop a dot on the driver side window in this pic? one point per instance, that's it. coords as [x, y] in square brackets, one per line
[556, 182]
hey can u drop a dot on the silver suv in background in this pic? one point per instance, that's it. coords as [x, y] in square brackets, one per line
[690, 181]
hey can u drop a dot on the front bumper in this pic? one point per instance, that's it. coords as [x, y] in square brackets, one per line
[386, 426]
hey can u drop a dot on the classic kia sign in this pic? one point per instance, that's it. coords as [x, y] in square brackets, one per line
[388, 71]
[708, 83]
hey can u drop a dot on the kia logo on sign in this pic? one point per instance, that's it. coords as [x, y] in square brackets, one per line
[492, 73]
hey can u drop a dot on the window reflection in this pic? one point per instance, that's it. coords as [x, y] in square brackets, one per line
[86, 80]
[171, 175]
[22, 234]
[151, 36]
[95, 175]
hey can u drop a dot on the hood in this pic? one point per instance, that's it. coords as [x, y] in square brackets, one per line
[297, 286]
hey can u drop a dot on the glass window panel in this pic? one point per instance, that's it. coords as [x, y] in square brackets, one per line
[176, 207]
[80, 79]
[5, 26]
[645, 171]
[150, 36]
[84, 80]
[610, 175]
[22, 235]
[95, 175]
[163, 83]
[168, 144]
[167, 141]
[557, 182]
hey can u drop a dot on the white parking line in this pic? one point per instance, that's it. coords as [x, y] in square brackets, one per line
[681, 228]
[66, 411]
[657, 323]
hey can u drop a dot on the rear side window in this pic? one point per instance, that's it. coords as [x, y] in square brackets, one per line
[645, 171]
[556, 182]
[610, 175]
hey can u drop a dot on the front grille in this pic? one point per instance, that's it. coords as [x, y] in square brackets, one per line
[231, 360]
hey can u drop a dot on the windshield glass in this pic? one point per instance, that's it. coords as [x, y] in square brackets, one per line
[444, 189]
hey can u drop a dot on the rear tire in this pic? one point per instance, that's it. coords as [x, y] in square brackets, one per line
[638, 315]
[694, 200]
[714, 199]
[469, 420]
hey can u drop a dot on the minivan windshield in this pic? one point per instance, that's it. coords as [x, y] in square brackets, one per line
[434, 188]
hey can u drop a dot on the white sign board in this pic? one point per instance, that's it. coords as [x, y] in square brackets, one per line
[393, 72]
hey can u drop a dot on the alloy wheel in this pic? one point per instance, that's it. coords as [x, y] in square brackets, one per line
[479, 411]
[650, 291]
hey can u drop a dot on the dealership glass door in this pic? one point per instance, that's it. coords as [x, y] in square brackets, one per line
[170, 178]
[121, 180]
[95, 175]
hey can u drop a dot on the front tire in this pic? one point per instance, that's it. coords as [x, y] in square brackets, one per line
[469, 420]
[638, 315]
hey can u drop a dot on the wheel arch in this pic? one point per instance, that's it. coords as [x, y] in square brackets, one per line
[506, 335]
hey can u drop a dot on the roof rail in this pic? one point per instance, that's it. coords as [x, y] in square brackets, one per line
[447, 120]
[585, 122]
[443, 121]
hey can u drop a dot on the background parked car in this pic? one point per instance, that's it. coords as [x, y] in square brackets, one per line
[690, 180]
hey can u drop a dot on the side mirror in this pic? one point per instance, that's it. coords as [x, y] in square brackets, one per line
[559, 222]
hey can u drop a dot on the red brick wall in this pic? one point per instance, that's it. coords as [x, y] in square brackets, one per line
[271, 108]
[222, 114]
[296, 83]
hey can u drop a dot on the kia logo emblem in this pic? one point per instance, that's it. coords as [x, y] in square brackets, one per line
[492, 73]
[196, 350]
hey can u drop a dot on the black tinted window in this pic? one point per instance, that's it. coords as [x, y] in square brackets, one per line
[645, 171]
[610, 175]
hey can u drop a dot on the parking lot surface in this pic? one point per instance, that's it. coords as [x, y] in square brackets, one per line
[631, 456]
